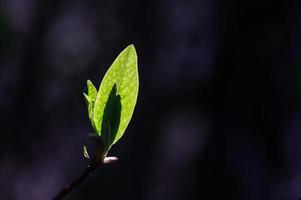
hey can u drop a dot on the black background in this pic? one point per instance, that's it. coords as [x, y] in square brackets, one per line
[218, 112]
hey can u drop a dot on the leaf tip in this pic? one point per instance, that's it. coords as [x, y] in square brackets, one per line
[131, 47]
[89, 82]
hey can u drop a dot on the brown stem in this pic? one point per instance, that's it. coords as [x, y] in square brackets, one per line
[68, 188]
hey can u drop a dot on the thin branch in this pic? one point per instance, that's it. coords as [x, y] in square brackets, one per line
[89, 169]
[68, 188]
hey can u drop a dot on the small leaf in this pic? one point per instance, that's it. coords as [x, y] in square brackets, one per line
[90, 100]
[92, 92]
[117, 96]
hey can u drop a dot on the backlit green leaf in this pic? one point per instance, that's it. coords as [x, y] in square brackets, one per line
[116, 98]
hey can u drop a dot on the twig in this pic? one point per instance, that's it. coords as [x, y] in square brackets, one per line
[68, 188]
[89, 169]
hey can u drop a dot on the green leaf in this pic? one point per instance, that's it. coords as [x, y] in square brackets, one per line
[92, 92]
[90, 100]
[116, 98]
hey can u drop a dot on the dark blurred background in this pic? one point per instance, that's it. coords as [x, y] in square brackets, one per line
[218, 113]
